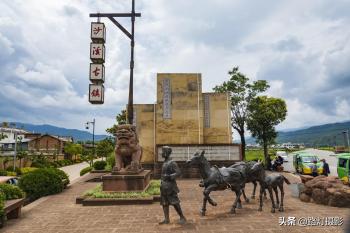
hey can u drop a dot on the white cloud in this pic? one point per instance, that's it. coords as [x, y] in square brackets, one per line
[301, 47]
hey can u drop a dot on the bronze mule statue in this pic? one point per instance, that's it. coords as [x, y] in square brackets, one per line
[128, 152]
[215, 179]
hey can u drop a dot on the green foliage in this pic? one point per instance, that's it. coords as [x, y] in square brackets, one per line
[85, 170]
[40, 161]
[88, 156]
[121, 119]
[25, 170]
[17, 170]
[241, 93]
[11, 174]
[2, 205]
[264, 114]
[3, 173]
[105, 147]
[153, 189]
[73, 149]
[111, 160]
[100, 165]
[41, 182]
[64, 177]
[11, 191]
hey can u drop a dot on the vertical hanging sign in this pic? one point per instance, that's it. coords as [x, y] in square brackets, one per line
[97, 69]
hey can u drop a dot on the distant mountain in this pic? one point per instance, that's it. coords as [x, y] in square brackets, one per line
[328, 134]
[78, 135]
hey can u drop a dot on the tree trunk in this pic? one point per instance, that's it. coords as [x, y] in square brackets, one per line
[266, 155]
[243, 144]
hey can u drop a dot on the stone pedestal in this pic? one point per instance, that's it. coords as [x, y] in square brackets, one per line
[126, 182]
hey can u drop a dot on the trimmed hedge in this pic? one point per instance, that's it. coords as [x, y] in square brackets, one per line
[41, 182]
[11, 191]
[3, 173]
[25, 170]
[17, 170]
[99, 165]
[2, 212]
[85, 170]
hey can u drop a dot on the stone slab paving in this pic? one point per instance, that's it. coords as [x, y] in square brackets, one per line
[59, 213]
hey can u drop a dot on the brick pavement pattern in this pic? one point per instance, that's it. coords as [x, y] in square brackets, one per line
[59, 213]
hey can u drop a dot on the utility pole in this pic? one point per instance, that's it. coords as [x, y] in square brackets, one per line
[93, 138]
[132, 15]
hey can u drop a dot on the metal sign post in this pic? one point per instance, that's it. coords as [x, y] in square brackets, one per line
[132, 15]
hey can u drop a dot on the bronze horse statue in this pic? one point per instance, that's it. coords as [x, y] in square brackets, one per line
[215, 179]
[270, 182]
[254, 176]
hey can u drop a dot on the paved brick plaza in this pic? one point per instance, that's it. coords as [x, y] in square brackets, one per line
[59, 213]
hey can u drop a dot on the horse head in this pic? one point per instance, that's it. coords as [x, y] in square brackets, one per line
[197, 158]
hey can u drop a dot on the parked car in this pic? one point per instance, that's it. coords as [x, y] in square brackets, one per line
[283, 154]
[343, 166]
[9, 180]
[302, 162]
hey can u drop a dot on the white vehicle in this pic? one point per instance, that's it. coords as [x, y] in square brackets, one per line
[283, 154]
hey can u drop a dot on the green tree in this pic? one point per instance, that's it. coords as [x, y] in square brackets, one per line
[264, 114]
[5, 124]
[88, 156]
[105, 147]
[22, 154]
[2, 136]
[241, 93]
[73, 149]
[121, 120]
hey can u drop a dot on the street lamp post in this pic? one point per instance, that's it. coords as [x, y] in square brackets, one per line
[15, 152]
[93, 137]
[346, 139]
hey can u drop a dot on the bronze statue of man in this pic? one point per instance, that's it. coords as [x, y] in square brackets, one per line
[168, 187]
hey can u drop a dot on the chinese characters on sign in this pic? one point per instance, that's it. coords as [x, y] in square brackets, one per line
[166, 99]
[97, 69]
[96, 93]
[97, 72]
[97, 53]
[98, 32]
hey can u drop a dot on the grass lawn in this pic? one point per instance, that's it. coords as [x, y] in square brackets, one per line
[153, 189]
[254, 155]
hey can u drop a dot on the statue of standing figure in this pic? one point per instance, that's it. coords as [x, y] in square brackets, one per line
[168, 187]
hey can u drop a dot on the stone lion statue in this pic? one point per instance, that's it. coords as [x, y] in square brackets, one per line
[128, 152]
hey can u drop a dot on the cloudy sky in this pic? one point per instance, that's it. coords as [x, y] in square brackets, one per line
[301, 47]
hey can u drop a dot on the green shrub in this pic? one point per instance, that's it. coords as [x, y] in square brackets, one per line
[11, 174]
[25, 170]
[111, 160]
[41, 182]
[99, 165]
[2, 212]
[11, 191]
[17, 170]
[64, 177]
[3, 173]
[85, 170]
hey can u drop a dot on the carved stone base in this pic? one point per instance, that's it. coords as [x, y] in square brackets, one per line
[127, 172]
[126, 182]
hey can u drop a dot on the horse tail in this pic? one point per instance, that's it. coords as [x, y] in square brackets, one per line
[286, 180]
